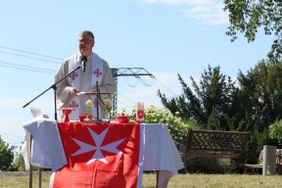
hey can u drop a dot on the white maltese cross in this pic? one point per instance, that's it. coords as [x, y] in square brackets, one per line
[98, 139]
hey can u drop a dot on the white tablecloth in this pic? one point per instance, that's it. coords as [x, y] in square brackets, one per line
[160, 152]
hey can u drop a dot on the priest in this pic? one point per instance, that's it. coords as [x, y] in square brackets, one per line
[95, 70]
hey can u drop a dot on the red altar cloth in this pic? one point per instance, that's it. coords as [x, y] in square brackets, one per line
[99, 155]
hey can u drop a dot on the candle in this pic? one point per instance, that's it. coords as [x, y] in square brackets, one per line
[140, 112]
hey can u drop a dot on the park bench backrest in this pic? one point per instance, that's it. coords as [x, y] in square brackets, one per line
[216, 144]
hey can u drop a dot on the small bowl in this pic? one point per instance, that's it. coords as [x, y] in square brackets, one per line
[123, 119]
[82, 118]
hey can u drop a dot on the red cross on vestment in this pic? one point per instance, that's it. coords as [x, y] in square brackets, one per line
[74, 104]
[73, 75]
[97, 72]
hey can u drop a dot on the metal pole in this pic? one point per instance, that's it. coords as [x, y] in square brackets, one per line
[114, 97]
[39, 177]
[136, 72]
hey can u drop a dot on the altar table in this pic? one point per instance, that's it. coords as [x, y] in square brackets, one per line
[160, 152]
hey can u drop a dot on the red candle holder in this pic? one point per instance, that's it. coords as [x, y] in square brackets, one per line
[66, 112]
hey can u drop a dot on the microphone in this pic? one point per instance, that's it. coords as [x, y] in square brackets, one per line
[83, 63]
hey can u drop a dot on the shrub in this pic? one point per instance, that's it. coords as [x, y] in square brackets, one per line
[6, 155]
[176, 126]
[19, 164]
[275, 130]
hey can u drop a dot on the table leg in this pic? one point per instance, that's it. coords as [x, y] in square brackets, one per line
[30, 166]
[30, 176]
[39, 177]
[157, 181]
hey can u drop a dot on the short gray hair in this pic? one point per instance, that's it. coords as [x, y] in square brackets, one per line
[89, 33]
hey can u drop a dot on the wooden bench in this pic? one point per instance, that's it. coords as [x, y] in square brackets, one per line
[217, 144]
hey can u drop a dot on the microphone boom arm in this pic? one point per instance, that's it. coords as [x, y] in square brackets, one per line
[54, 87]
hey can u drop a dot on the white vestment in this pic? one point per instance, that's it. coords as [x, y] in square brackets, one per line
[96, 69]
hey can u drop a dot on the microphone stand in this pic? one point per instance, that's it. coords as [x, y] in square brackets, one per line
[54, 87]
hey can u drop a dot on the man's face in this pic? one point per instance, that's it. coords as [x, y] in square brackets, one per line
[86, 44]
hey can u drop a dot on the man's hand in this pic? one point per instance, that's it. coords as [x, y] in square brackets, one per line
[73, 92]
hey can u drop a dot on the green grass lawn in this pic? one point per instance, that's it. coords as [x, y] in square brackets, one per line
[12, 180]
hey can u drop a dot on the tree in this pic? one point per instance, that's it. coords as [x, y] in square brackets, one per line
[261, 93]
[213, 96]
[213, 123]
[6, 155]
[247, 16]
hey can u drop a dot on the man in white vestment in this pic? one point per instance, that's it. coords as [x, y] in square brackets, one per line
[70, 90]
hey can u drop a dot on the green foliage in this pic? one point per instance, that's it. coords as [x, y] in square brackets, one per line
[6, 155]
[253, 148]
[209, 104]
[213, 123]
[275, 130]
[176, 126]
[261, 94]
[247, 16]
[253, 104]
[18, 164]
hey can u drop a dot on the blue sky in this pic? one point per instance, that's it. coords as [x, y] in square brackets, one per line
[166, 37]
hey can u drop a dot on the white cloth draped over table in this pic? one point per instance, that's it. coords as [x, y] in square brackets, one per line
[160, 152]
[47, 150]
